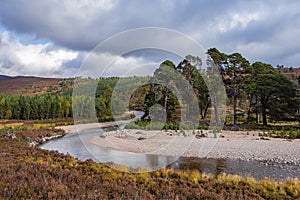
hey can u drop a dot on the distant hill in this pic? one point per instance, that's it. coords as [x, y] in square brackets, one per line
[3, 76]
[29, 85]
[293, 74]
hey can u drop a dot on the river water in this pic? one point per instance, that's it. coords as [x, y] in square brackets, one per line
[78, 146]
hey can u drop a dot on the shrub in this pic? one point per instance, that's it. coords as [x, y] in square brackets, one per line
[292, 134]
[132, 115]
[194, 176]
[298, 133]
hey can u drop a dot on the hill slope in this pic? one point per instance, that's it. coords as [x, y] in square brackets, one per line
[28, 85]
[3, 76]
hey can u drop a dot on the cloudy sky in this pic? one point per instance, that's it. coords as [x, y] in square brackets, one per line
[52, 37]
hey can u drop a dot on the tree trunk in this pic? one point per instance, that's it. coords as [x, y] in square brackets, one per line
[264, 114]
[256, 111]
[216, 115]
[249, 108]
[214, 103]
[234, 110]
[166, 101]
[204, 111]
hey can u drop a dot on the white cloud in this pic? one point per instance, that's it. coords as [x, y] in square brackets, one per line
[241, 20]
[32, 59]
[106, 64]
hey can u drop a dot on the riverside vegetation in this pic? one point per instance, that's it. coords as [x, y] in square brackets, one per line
[32, 173]
[256, 94]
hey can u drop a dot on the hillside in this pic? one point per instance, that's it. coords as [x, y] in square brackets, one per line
[28, 85]
[3, 76]
[293, 74]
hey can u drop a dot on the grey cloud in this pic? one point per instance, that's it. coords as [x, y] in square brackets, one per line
[73, 28]
[81, 25]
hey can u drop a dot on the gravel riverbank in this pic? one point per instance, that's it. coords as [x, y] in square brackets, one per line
[243, 145]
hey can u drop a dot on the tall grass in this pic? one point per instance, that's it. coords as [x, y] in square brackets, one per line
[147, 125]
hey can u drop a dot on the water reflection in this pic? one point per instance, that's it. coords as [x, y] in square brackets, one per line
[256, 169]
[73, 145]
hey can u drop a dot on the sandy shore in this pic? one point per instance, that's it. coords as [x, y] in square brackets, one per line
[80, 127]
[245, 145]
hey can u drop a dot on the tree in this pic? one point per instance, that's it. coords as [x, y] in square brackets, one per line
[297, 102]
[163, 81]
[150, 99]
[274, 91]
[219, 58]
[41, 102]
[8, 114]
[217, 92]
[2, 107]
[162, 76]
[190, 68]
[235, 79]
[235, 71]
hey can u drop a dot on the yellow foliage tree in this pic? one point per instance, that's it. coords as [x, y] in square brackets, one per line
[8, 114]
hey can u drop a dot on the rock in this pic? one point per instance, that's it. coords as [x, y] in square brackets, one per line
[200, 136]
[263, 138]
[33, 144]
[10, 135]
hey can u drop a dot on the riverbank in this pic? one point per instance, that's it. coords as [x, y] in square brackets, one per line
[81, 127]
[243, 145]
[34, 173]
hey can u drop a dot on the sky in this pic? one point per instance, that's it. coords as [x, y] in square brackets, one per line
[51, 38]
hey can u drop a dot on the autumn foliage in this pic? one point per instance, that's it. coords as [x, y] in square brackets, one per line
[32, 173]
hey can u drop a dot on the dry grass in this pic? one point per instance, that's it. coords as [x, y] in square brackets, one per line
[32, 173]
[31, 124]
[13, 125]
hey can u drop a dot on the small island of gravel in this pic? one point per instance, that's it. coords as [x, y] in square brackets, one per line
[243, 145]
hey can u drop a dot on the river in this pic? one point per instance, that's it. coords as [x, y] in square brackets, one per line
[78, 146]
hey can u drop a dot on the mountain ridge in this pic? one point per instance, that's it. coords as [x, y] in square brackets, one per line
[4, 76]
[31, 85]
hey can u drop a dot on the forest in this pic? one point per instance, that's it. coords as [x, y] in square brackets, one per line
[257, 93]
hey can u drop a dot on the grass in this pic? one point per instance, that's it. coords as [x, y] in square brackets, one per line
[146, 125]
[6, 125]
[284, 132]
[12, 125]
[33, 173]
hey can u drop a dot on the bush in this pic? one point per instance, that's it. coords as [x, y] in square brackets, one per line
[132, 115]
[298, 133]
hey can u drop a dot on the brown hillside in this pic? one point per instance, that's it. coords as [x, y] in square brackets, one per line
[34, 85]
[292, 74]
